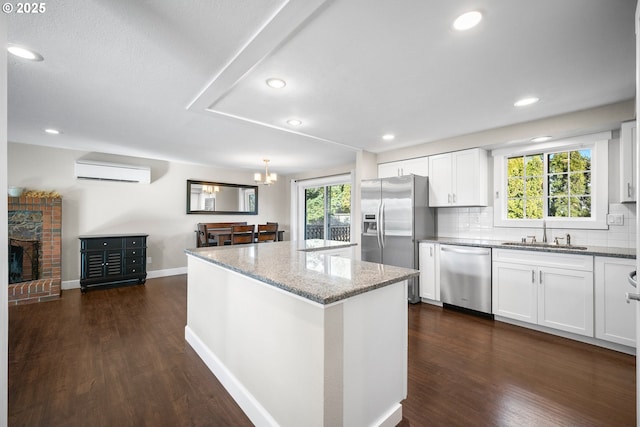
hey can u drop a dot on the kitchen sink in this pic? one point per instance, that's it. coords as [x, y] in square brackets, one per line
[545, 245]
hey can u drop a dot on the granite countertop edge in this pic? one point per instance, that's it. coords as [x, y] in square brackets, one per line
[314, 297]
[499, 244]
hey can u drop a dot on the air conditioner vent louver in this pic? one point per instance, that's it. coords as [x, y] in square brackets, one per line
[90, 169]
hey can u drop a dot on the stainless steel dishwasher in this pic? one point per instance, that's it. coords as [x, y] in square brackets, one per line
[465, 277]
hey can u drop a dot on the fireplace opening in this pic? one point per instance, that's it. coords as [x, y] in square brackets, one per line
[24, 260]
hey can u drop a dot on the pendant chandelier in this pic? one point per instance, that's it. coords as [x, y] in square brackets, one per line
[269, 178]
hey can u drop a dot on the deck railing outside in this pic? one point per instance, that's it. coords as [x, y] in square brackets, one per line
[341, 233]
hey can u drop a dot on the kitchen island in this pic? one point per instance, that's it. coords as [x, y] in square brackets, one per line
[298, 337]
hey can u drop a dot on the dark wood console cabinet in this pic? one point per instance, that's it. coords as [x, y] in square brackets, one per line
[109, 259]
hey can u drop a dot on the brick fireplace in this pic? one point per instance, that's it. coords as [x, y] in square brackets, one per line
[36, 222]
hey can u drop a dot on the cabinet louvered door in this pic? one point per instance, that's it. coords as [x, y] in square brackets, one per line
[113, 263]
[95, 265]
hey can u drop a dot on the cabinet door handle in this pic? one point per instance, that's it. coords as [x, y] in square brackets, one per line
[430, 251]
[448, 197]
[533, 276]
[629, 189]
[454, 197]
[540, 277]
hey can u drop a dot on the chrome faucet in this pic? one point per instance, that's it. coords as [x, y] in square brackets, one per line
[544, 231]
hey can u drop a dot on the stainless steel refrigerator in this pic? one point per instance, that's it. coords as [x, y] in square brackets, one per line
[395, 217]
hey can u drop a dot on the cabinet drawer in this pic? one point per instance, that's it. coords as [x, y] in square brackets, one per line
[134, 269]
[135, 242]
[134, 261]
[544, 259]
[106, 243]
[130, 253]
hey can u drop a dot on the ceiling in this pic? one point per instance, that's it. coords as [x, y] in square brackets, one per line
[184, 80]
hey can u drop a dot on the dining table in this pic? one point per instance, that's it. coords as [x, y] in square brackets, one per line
[222, 235]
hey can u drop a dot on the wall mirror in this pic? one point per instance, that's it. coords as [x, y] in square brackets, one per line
[205, 197]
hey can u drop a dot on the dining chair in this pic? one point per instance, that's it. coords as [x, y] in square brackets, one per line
[203, 236]
[242, 234]
[267, 232]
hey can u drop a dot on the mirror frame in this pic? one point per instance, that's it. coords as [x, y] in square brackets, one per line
[220, 184]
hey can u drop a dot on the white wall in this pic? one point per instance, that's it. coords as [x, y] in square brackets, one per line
[158, 209]
[578, 123]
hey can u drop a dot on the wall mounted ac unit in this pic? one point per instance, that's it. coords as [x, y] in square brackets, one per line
[91, 169]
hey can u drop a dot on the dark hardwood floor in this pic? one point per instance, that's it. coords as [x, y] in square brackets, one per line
[117, 357]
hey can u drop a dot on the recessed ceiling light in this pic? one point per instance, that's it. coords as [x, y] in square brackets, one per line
[388, 137]
[24, 53]
[294, 122]
[541, 139]
[53, 131]
[276, 83]
[467, 20]
[526, 101]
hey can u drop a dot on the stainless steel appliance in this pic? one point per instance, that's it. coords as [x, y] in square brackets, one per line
[395, 216]
[465, 277]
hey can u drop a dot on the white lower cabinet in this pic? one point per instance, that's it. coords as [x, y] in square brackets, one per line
[552, 290]
[515, 293]
[565, 299]
[615, 318]
[429, 267]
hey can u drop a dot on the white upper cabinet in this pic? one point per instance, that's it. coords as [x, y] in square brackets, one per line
[417, 166]
[459, 179]
[628, 147]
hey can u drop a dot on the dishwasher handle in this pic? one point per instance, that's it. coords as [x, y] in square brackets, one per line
[469, 251]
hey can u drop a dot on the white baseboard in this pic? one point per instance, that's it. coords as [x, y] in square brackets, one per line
[392, 418]
[249, 405]
[588, 340]
[75, 284]
[168, 272]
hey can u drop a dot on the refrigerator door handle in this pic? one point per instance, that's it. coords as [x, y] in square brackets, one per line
[378, 232]
[381, 227]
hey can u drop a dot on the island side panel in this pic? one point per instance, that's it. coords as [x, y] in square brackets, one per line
[269, 343]
[376, 351]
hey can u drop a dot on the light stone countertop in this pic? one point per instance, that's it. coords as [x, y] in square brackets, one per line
[499, 244]
[301, 268]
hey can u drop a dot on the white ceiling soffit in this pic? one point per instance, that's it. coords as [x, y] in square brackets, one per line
[358, 69]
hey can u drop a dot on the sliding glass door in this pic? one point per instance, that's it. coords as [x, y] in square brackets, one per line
[326, 209]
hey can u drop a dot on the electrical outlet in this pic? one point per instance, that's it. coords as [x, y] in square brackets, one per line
[615, 219]
[148, 260]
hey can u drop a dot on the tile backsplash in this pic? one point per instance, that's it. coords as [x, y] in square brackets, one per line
[477, 223]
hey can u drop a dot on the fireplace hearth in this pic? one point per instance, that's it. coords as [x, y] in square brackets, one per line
[35, 247]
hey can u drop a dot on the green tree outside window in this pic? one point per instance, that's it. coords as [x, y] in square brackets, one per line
[568, 179]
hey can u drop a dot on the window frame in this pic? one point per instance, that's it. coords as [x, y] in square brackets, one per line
[599, 146]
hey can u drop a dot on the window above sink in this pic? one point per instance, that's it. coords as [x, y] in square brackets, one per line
[564, 183]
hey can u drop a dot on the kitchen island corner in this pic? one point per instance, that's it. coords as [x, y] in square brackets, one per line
[298, 337]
